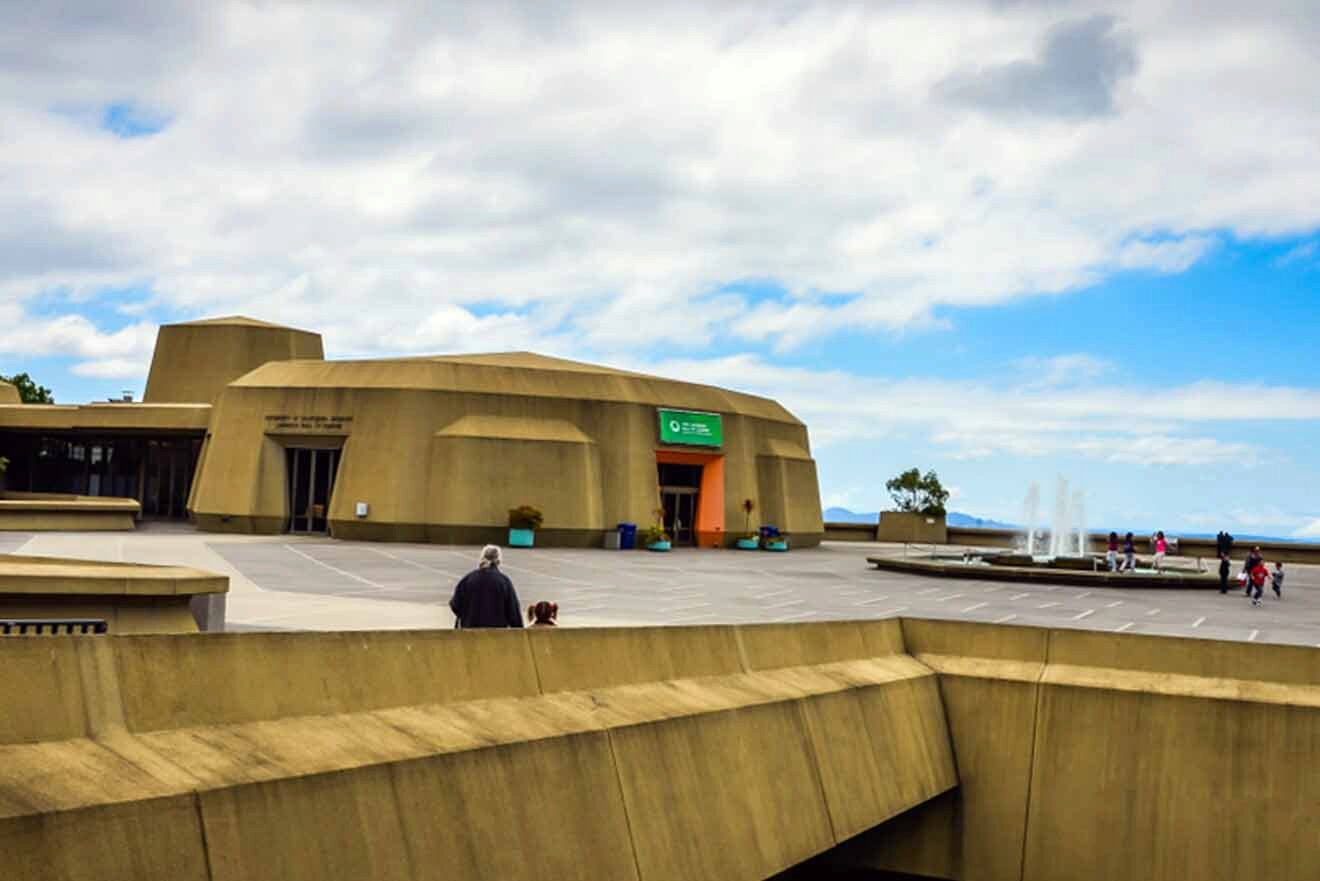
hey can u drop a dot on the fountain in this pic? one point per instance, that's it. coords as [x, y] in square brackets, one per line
[1061, 553]
[1030, 511]
[1067, 532]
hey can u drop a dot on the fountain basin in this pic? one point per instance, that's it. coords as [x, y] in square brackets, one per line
[1001, 567]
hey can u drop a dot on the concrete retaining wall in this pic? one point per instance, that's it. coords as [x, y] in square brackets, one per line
[1097, 756]
[661, 753]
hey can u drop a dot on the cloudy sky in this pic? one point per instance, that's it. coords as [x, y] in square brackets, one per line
[1006, 240]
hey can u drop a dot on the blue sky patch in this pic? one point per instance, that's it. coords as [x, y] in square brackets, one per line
[127, 120]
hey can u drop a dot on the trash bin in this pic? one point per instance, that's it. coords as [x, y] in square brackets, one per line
[769, 532]
[627, 536]
[612, 540]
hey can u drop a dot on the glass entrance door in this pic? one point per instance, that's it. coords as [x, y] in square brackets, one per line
[311, 484]
[680, 506]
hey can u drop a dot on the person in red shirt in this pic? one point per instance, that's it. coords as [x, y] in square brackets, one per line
[1259, 575]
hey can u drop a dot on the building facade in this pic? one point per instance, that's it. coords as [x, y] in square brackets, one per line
[247, 428]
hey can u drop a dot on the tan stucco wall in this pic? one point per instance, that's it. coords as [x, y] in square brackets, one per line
[9, 394]
[446, 463]
[194, 361]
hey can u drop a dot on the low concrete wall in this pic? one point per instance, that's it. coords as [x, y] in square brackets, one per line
[128, 597]
[45, 512]
[1096, 756]
[901, 526]
[850, 532]
[719, 752]
[660, 753]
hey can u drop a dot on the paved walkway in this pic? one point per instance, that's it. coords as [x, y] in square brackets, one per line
[306, 583]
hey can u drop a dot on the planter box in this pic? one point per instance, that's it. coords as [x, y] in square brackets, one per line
[659, 546]
[748, 544]
[776, 546]
[521, 538]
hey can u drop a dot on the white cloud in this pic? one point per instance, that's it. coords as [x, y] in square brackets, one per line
[112, 368]
[595, 173]
[977, 420]
[1167, 256]
[71, 335]
[1308, 530]
[1062, 369]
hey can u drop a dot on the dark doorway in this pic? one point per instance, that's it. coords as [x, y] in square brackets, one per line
[311, 485]
[167, 477]
[680, 506]
[678, 498]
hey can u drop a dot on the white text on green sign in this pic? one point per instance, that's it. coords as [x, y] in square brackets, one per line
[688, 427]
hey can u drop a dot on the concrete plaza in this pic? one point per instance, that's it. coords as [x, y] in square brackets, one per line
[309, 583]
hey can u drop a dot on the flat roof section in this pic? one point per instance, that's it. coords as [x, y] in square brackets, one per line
[106, 417]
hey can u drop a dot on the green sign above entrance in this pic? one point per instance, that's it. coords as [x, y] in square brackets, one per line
[687, 427]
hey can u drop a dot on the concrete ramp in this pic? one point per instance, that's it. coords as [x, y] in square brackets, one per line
[651, 754]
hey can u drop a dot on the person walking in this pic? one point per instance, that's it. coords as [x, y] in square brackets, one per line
[1224, 566]
[1256, 583]
[1129, 553]
[1277, 576]
[1253, 560]
[485, 596]
[1161, 547]
[1111, 552]
[543, 614]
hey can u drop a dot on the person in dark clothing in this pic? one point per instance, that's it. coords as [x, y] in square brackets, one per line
[1223, 573]
[1129, 553]
[485, 596]
[1254, 559]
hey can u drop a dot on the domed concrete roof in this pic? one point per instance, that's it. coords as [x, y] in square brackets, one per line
[512, 373]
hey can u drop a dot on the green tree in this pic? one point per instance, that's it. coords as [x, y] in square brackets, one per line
[918, 493]
[28, 391]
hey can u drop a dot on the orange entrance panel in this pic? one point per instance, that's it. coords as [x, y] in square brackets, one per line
[709, 526]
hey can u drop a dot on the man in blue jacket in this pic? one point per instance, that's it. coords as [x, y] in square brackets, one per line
[485, 596]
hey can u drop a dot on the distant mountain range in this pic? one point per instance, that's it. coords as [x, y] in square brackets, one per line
[953, 518]
[957, 518]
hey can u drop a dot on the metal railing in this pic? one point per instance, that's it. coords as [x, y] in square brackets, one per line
[51, 626]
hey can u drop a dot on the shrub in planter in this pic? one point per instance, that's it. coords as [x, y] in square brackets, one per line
[752, 540]
[524, 520]
[654, 538]
[775, 543]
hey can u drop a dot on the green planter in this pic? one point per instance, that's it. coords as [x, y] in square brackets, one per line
[521, 538]
[748, 544]
[659, 546]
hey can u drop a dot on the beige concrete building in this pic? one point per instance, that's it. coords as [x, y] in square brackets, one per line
[245, 427]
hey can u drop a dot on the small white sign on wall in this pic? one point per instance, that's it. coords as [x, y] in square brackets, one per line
[360, 509]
